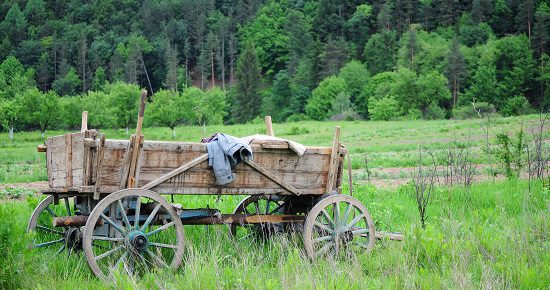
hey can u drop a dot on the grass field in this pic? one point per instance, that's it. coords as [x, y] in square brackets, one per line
[492, 235]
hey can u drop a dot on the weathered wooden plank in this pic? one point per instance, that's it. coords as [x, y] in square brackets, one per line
[176, 171]
[126, 163]
[69, 159]
[333, 167]
[269, 126]
[273, 177]
[101, 152]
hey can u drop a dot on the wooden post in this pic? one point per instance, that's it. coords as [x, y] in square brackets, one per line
[141, 112]
[333, 167]
[268, 126]
[136, 150]
[84, 125]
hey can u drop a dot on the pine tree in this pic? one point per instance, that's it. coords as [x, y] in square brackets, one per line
[171, 62]
[412, 47]
[541, 29]
[334, 56]
[247, 101]
[456, 69]
[484, 81]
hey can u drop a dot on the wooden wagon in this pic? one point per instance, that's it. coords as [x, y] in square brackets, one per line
[107, 197]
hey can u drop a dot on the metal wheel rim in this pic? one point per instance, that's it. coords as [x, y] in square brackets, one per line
[342, 229]
[126, 255]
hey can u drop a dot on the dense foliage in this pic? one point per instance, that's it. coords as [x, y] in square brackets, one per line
[294, 59]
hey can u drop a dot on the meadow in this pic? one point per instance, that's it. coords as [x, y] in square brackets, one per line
[491, 235]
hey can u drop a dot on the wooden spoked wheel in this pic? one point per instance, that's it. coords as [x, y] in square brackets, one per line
[258, 204]
[45, 234]
[338, 224]
[135, 230]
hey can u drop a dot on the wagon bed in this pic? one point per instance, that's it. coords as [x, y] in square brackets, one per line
[87, 163]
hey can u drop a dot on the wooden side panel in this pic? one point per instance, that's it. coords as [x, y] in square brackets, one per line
[57, 159]
[307, 173]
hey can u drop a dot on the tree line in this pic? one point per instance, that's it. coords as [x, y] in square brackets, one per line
[292, 59]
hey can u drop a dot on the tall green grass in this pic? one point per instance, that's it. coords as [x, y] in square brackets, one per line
[493, 235]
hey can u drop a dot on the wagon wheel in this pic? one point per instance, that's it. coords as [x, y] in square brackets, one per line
[48, 236]
[258, 204]
[144, 232]
[336, 223]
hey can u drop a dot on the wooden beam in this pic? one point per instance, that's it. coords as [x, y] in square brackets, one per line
[269, 126]
[176, 171]
[389, 236]
[273, 177]
[333, 167]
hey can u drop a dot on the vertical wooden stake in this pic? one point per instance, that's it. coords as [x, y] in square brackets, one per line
[268, 126]
[333, 167]
[84, 125]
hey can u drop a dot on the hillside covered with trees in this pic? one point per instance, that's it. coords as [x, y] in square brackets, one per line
[213, 61]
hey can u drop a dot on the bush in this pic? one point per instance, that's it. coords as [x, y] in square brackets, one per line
[518, 105]
[384, 109]
[435, 112]
[319, 105]
[297, 118]
[295, 130]
[469, 112]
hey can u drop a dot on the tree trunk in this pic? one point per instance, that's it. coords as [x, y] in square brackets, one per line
[11, 132]
[126, 130]
[174, 133]
[223, 64]
[204, 127]
[42, 133]
[212, 68]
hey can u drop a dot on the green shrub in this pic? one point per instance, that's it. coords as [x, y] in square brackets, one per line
[384, 109]
[297, 118]
[295, 130]
[435, 112]
[518, 105]
[471, 111]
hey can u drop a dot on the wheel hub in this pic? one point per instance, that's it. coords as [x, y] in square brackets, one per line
[137, 240]
[73, 238]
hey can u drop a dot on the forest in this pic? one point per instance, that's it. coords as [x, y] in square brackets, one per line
[220, 61]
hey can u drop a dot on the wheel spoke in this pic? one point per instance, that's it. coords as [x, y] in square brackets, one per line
[48, 243]
[112, 223]
[123, 213]
[151, 216]
[328, 218]
[360, 232]
[51, 211]
[324, 249]
[346, 214]
[108, 253]
[138, 206]
[157, 258]
[355, 220]
[325, 238]
[101, 238]
[277, 208]
[120, 260]
[267, 205]
[160, 229]
[60, 249]
[257, 207]
[323, 227]
[336, 210]
[49, 230]
[168, 246]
